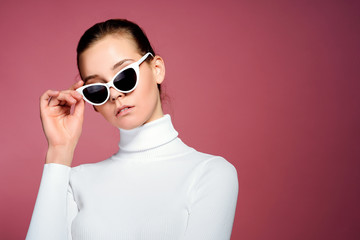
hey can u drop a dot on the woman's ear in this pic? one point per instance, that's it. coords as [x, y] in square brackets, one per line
[159, 69]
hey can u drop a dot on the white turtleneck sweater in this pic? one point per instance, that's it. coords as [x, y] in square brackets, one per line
[154, 188]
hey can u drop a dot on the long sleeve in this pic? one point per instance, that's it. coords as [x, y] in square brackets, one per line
[214, 197]
[55, 207]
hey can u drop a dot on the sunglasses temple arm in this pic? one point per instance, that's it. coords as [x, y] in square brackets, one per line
[144, 57]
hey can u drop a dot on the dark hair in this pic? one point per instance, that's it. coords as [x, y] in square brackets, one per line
[115, 26]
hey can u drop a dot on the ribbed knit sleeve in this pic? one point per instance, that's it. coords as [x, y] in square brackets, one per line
[55, 207]
[213, 201]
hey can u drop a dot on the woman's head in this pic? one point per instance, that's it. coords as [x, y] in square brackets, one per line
[121, 27]
[104, 50]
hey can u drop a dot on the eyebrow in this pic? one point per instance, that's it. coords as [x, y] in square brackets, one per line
[89, 77]
[116, 65]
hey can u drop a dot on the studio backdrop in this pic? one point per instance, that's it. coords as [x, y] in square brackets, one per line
[272, 86]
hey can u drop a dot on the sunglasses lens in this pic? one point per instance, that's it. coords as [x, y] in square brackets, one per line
[126, 80]
[96, 93]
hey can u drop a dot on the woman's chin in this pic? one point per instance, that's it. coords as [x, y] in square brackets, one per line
[127, 123]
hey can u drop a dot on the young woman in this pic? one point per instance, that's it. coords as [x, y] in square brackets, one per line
[155, 186]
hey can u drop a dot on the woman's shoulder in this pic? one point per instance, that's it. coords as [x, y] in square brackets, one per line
[88, 168]
[214, 175]
[214, 164]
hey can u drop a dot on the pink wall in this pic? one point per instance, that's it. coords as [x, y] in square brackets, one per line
[273, 86]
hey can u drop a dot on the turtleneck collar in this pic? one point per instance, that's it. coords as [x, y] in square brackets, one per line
[148, 136]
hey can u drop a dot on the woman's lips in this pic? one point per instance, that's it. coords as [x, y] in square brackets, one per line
[123, 111]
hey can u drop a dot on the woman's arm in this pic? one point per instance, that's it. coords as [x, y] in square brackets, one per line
[55, 206]
[213, 202]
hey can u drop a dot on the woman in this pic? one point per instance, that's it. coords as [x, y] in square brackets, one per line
[155, 186]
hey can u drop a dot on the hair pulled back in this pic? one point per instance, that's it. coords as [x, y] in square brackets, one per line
[115, 26]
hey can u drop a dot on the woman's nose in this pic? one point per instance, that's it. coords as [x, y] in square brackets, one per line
[115, 94]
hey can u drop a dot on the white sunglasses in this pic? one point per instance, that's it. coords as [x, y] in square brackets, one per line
[124, 81]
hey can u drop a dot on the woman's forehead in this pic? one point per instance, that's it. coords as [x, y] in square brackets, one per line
[106, 53]
[110, 45]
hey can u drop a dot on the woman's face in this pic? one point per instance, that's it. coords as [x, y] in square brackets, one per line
[103, 60]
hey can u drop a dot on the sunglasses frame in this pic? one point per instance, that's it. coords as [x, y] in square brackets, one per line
[135, 66]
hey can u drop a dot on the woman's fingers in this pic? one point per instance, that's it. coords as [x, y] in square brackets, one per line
[79, 108]
[64, 98]
[47, 96]
[76, 85]
[76, 95]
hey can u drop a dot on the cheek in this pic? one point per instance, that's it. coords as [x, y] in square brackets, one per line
[104, 111]
[147, 91]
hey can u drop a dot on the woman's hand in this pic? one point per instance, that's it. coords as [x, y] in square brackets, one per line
[62, 129]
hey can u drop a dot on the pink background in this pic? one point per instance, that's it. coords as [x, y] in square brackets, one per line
[272, 86]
